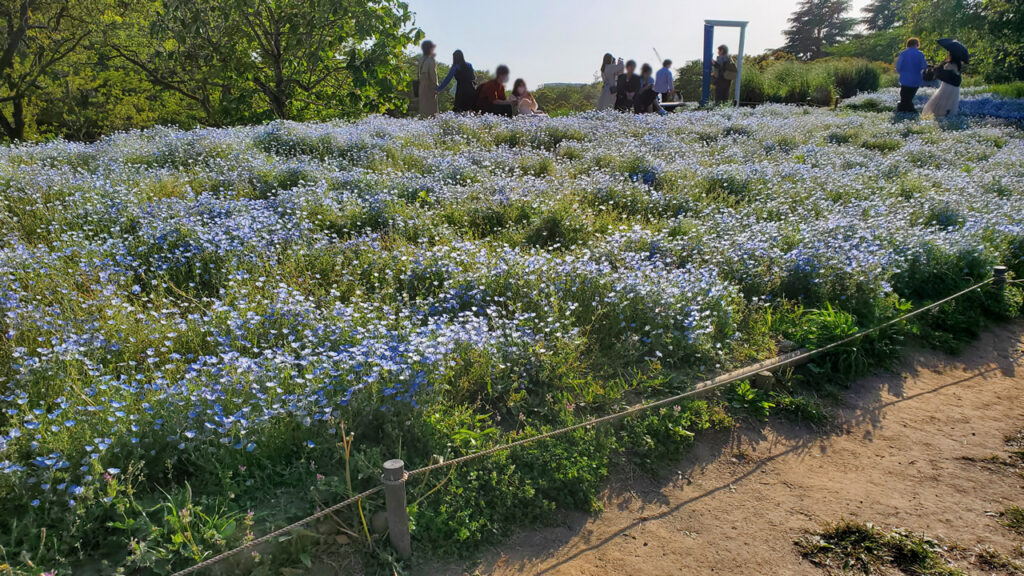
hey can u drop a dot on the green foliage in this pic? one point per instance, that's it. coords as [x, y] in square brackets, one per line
[883, 15]
[1013, 518]
[656, 438]
[820, 82]
[816, 24]
[564, 99]
[80, 69]
[36, 37]
[854, 547]
[750, 401]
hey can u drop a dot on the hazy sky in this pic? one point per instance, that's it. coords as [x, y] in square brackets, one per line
[564, 40]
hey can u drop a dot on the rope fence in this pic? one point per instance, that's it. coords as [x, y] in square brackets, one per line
[394, 478]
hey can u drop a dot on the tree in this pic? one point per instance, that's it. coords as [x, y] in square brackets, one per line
[1003, 50]
[35, 36]
[816, 24]
[883, 15]
[251, 60]
[182, 46]
[302, 54]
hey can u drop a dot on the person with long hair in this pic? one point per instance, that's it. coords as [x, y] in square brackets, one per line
[525, 103]
[465, 78]
[610, 71]
[946, 100]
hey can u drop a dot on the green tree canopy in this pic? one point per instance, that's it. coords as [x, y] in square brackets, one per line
[246, 60]
[35, 36]
[817, 24]
[883, 15]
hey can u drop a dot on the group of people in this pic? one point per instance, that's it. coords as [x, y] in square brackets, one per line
[645, 93]
[914, 72]
[622, 88]
[626, 91]
[489, 97]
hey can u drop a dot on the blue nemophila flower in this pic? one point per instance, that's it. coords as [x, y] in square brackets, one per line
[275, 283]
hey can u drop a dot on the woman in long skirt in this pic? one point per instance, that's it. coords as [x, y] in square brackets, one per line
[946, 101]
[610, 70]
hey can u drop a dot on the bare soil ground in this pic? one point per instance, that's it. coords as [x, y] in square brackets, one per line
[912, 449]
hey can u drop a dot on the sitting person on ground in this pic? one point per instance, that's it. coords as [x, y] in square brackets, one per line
[627, 88]
[491, 97]
[725, 72]
[525, 103]
[911, 66]
[664, 82]
[646, 100]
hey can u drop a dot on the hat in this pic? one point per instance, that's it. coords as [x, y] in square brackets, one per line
[428, 46]
[958, 50]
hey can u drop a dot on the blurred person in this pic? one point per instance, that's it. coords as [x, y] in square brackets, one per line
[626, 88]
[724, 72]
[491, 97]
[525, 103]
[911, 66]
[428, 81]
[946, 100]
[465, 77]
[664, 82]
[646, 100]
[610, 71]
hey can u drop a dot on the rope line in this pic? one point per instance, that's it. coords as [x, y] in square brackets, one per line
[276, 533]
[780, 362]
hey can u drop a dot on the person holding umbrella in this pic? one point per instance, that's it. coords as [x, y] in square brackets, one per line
[946, 101]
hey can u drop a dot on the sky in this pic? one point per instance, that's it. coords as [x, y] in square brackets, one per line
[547, 41]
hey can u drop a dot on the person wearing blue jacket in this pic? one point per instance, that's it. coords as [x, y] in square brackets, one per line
[911, 66]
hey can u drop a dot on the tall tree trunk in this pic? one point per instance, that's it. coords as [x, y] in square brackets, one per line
[14, 127]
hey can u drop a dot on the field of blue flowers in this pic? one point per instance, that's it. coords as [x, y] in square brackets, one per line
[204, 334]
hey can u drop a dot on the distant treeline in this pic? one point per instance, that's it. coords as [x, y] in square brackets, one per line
[83, 68]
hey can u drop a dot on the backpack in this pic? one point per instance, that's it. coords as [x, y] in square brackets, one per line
[730, 71]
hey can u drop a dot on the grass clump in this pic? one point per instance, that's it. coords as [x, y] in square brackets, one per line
[850, 547]
[1013, 518]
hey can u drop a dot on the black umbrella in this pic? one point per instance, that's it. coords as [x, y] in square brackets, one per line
[958, 50]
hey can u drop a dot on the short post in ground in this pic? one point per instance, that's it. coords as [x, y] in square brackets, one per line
[398, 515]
[999, 276]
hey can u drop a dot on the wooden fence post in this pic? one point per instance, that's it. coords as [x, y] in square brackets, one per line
[395, 499]
[999, 276]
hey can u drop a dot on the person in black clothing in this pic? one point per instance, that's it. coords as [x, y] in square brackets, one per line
[646, 100]
[627, 88]
[465, 77]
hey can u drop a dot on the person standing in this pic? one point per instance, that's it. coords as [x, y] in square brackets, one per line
[946, 100]
[725, 73]
[610, 70]
[911, 66]
[491, 97]
[428, 81]
[664, 82]
[465, 77]
[627, 87]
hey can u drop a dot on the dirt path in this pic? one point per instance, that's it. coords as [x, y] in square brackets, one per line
[901, 458]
